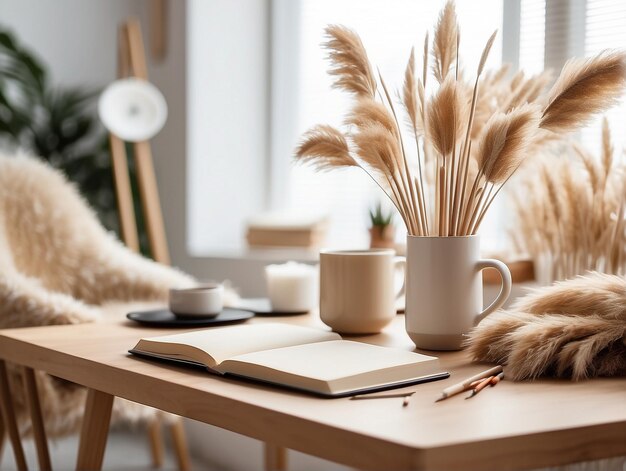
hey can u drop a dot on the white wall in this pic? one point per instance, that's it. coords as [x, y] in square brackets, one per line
[228, 132]
[76, 38]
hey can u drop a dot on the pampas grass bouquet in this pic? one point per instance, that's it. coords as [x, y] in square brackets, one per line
[571, 212]
[443, 146]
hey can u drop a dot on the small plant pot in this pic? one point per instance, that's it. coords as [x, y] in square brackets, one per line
[382, 237]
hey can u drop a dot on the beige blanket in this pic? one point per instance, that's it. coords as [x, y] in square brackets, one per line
[59, 266]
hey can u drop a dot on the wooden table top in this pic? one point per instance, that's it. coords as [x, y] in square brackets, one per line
[511, 426]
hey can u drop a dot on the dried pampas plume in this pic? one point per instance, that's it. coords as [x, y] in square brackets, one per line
[367, 112]
[504, 142]
[607, 148]
[584, 88]
[446, 115]
[485, 54]
[444, 43]
[528, 90]
[325, 148]
[349, 62]
[573, 329]
[378, 148]
[409, 97]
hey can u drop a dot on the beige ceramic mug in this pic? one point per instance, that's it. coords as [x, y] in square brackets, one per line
[357, 289]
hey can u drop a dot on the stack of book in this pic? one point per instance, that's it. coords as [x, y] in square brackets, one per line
[285, 231]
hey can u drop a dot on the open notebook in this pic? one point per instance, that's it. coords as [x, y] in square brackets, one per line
[302, 358]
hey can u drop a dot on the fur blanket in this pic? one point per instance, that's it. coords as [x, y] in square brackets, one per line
[574, 328]
[59, 266]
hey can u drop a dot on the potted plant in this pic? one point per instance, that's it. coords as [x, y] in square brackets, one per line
[382, 232]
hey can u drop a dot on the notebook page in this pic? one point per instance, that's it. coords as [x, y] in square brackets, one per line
[331, 361]
[222, 343]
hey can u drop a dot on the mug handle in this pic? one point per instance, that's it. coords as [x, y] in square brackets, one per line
[505, 290]
[400, 262]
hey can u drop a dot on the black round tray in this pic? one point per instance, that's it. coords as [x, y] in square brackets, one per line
[166, 318]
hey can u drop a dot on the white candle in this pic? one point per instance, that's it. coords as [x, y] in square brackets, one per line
[292, 287]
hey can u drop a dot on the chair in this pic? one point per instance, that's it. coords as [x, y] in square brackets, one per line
[59, 266]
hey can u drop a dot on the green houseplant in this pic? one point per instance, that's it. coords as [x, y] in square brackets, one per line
[56, 124]
[382, 231]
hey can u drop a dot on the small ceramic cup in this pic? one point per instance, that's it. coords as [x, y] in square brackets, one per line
[206, 300]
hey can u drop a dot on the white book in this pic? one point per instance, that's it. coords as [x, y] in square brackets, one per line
[303, 358]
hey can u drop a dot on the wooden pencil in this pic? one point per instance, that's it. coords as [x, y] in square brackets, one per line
[482, 385]
[463, 385]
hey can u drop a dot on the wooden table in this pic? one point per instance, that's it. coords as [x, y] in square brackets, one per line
[512, 426]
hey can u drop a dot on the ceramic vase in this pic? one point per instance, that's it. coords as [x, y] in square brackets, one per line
[444, 290]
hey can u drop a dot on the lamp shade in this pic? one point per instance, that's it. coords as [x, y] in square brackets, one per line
[132, 109]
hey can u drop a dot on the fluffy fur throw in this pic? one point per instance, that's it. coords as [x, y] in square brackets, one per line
[574, 328]
[59, 266]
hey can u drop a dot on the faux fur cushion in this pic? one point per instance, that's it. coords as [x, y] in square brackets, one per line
[59, 266]
[574, 328]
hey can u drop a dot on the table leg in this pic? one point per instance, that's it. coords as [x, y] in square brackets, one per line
[180, 445]
[95, 430]
[2, 436]
[39, 432]
[156, 442]
[275, 457]
[8, 414]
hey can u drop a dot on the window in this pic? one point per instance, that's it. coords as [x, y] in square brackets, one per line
[604, 25]
[532, 35]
